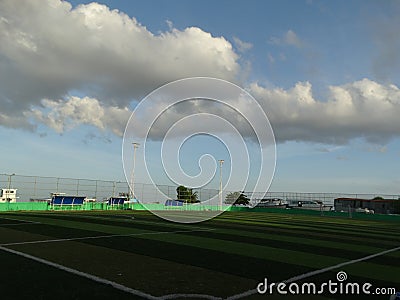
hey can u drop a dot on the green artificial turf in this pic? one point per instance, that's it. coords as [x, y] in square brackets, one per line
[221, 257]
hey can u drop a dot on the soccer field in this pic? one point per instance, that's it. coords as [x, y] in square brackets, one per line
[135, 255]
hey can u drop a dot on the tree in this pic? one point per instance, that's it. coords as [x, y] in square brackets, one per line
[186, 194]
[237, 198]
[231, 198]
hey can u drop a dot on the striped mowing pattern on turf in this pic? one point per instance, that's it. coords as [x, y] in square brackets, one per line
[247, 246]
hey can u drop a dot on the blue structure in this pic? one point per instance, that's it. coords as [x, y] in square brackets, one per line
[170, 202]
[67, 200]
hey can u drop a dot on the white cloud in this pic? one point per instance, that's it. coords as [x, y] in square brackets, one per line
[292, 39]
[170, 24]
[63, 115]
[49, 49]
[362, 108]
[242, 46]
[289, 38]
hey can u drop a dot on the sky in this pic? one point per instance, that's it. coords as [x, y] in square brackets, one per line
[325, 73]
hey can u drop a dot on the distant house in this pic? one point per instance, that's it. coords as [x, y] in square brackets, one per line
[377, 205]
[272, 202]
[8, 195]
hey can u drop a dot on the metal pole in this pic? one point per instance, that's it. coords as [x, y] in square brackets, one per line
[221, 161]
[34, 187]
[95, 192]
[9, 187]
[135, 146]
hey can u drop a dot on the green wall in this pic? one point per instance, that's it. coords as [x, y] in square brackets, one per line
[23, 206]
[37, 206]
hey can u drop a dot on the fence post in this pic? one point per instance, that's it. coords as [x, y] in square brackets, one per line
[77, 188]
[34, 187]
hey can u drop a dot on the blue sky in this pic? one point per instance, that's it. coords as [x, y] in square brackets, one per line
[325, 73]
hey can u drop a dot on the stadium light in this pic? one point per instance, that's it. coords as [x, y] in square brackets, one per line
[221, 161]
[135, 146]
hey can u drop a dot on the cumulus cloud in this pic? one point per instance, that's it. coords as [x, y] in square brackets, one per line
[49, 49]
[362, 108]
[62, 115]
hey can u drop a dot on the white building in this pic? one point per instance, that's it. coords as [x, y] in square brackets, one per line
[8, 195]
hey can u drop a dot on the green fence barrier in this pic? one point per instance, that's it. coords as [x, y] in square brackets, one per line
[23, 206]
[41, 206]
[14, 206]
[188, 207]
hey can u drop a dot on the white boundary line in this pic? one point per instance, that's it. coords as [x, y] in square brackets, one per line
[19, 220]
[23, 222]
[316, 272]
[174, 296]
[99, 279]
[102, 237]
[83, 274]
[170, 296]
[123, 218]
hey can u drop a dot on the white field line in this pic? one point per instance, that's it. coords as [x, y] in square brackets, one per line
[106, 281]
[316, 272]
[83, 274]
[176, 296]
[19, 220]
[102, 237]
[99, 279]
[123, 218]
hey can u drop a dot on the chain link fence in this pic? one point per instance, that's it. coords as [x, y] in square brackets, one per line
[36, 188]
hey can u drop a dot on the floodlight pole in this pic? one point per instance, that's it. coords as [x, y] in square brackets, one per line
[9, 187]
[135, 146]
[221, 161]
